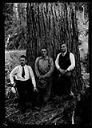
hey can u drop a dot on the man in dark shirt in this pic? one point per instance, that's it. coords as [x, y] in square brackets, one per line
[65, 63]
[44, 67]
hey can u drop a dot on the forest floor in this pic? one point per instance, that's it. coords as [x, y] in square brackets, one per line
[57, 111]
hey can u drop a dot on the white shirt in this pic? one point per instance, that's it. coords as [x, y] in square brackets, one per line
[72, 60]
[17, 72]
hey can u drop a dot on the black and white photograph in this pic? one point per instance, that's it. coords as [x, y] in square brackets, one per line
[47, 69]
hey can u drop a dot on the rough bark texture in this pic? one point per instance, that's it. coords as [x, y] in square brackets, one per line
[50, 24]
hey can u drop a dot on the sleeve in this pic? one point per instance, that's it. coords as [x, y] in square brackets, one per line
[13, 72]
[32, 76]
[36, 67]
[51, 68]
[72, 60]
[57, 61]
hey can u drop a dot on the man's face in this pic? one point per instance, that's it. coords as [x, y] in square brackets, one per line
[44, 52]
[22, 61]
[63, 48]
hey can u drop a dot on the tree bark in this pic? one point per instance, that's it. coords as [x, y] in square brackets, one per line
[50, 24]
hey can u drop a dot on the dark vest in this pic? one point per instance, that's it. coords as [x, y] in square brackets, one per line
[64, 61]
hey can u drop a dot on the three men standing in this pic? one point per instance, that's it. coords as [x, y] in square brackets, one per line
[44, 67]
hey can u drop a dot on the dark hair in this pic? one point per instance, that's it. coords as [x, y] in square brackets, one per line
[63, 43]
[43, 47]
[23, 56]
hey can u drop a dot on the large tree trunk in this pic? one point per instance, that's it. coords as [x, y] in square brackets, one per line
[50, 24]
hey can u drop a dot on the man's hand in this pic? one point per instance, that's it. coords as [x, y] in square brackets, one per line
[67, 73]
[13, 84]
[42, 77]
[62, 71]
[35, 89]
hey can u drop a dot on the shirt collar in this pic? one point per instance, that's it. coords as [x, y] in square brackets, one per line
[63, 54]
[45, 58]
[24, 65]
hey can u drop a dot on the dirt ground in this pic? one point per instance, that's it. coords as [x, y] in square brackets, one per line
[57, 111]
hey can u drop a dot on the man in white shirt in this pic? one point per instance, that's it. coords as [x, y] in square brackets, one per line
[65, 63]
[24, 78]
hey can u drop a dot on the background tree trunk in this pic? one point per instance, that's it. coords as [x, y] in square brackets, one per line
[50, 24]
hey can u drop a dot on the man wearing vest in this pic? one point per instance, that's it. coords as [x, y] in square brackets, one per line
[24, 78]
[65, 63]
[44, 67]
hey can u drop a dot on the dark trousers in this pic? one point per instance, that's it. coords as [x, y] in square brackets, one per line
[63, 85]
[44, 94]
[25, 91]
